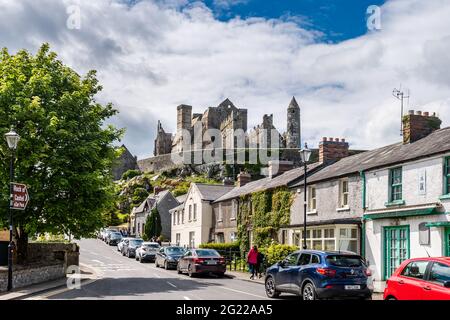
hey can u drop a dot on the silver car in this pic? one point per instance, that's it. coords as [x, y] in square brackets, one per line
[120, 244]
[147, 252]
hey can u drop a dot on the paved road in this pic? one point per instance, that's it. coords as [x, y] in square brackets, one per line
[124, 278]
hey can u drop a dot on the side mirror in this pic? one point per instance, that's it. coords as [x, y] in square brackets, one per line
[281, 263]
[447, 284]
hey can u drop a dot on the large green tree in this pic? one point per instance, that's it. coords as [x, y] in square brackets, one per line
[66, 150]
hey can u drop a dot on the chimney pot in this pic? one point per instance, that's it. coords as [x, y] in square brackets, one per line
[324, 138]
[426, 113]
[419, 113]
[342, 140]
[331, 139]
[411, 112]
[336, 139]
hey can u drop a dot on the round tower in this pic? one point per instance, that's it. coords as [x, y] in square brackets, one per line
[293, 125]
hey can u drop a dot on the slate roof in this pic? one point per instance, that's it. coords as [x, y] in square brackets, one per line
[211, 192]
[151, 200]
[182, 198]
[435, 143]
[268, 183]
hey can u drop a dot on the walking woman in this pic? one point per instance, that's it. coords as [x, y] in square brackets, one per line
[252, 260]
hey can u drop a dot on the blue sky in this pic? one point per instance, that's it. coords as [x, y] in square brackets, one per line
[337, 19]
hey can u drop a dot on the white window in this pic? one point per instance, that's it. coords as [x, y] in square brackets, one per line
[182, 216]
[312, 204]
[192, 239]
[234, 209]
[220, 218]
[173, 215]
[178, 217]
[195, 211]
[348, 239]
[233, 236]
[178, 239]
[190, 212]
[343, 193]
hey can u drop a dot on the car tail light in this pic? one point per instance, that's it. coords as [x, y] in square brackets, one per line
[368, 272]
[221, 260]
[328, 286]
[199, 260]
[326, 272]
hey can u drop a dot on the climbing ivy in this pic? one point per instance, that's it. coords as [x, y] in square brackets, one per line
[270, 210]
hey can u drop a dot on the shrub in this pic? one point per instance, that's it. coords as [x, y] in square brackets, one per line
[130, 174]
[152, 225]
[277, 252]
[221, 246]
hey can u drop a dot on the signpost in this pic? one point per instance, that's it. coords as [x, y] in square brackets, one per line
[19, 196]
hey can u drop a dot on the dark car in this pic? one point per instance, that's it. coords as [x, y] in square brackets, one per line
[316, 275]
[202, 261]
[113, 238]
[129, 247]
[168, 257]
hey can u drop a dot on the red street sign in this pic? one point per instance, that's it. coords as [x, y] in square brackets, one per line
[19, 196]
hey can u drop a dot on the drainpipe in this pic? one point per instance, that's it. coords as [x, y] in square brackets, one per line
[363, 224]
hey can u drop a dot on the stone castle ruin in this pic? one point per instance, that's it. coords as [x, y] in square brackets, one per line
[227, 119]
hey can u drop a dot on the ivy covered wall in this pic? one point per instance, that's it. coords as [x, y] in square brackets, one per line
[263, 213]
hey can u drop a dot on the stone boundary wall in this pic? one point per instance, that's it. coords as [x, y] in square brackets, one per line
[158, 163]
[32, 275]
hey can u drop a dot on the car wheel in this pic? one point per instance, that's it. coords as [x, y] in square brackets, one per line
[190, 273]
[270, 288]
[391, 298]
[178, 269]
[166, 266]
[128, 253]
[140, 260]
[136, 257]
[309, 292]
[220, 274]
[123, 253]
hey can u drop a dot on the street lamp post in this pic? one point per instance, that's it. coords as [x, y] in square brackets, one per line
[305, 155]
[12, 138]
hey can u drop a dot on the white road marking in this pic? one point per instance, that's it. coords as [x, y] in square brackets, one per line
[250, 294]
[98, 261]
[186, 298]
[171, 284]
[157, 276]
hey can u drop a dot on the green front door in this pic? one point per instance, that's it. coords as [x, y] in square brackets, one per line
[447, 242]
[396, 248]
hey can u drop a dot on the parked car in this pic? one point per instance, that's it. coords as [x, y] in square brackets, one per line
[314, 275]
[168, 257]
[201, 261]
[147, 251]
[113, 238]
[106, 233]
[420, 279]
[129, 247]
[121, 242]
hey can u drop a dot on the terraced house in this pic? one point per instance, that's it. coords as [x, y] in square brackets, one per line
[407, 196]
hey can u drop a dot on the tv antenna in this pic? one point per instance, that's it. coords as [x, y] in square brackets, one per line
[400, 95]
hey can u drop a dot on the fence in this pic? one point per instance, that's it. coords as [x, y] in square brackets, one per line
[237, 261]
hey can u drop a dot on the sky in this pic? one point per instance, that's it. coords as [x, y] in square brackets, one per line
[152, 55]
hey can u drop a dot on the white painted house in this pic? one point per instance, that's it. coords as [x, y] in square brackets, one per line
[407, 200]
[192, 224]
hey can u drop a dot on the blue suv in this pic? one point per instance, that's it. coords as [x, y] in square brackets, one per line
[314, 274]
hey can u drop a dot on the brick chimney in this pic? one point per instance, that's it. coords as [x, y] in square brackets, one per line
[418, 125]
[227, 181]
[332, 150]
[243, 178]
[277, 167]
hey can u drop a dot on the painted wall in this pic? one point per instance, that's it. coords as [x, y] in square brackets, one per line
[327, 199]
[201, 226]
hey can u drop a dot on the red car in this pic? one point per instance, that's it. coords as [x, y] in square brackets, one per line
[420, 279]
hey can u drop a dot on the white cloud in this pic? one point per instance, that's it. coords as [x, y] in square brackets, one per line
[155, 55]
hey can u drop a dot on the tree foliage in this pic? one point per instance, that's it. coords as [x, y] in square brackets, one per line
[152, 225]
[66, 150]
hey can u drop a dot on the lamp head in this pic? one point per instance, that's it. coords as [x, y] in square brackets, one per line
[12, 138]
[305, 153]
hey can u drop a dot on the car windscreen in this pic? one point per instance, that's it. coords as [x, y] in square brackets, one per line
[136, 242]
[116, 235]
[206, 253]
[350, 261]
[175, 250]
[152, 246]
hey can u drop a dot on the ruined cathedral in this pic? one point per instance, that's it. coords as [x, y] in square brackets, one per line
[227, 118]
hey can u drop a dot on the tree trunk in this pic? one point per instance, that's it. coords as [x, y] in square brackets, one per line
[22, 246]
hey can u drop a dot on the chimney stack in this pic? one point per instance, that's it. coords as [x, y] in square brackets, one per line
[243, 178]
[332, 150]
[418, 125]
[227, 181]
[277, 167]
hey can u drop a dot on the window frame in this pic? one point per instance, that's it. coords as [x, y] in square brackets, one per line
[190, 213]
[342, 193]
[393, 185]
[447, 175]
[194, 216]
[312, 199]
